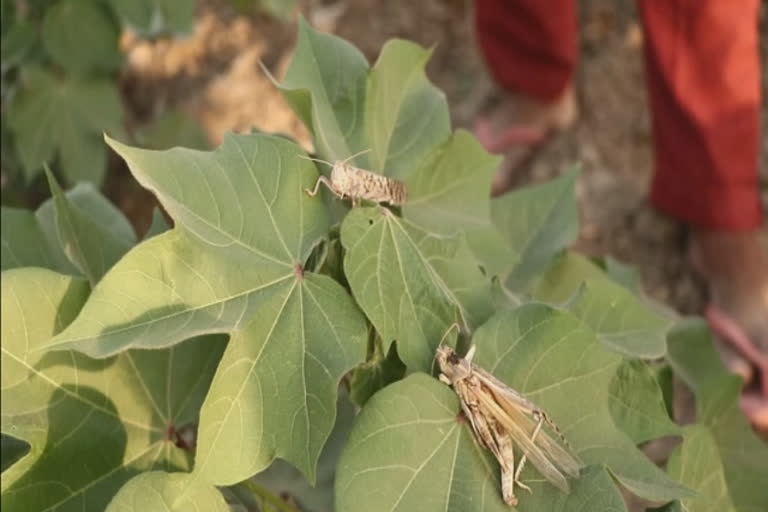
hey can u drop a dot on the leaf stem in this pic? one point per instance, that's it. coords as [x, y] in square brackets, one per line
[266, 496]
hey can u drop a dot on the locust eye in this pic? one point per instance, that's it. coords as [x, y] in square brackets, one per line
[453, 358]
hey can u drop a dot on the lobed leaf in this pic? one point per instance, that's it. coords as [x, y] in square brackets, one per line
[411, 284]
[411, 450]
[53, 116]
[91, 425]
[166, 492]
[421, 455]
[234, 263]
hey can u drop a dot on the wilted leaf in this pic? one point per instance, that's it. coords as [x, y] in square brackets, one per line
[81, 36]
[91, 424]
[409, 441]
[410, 283]
[234, 263]
[66, 116]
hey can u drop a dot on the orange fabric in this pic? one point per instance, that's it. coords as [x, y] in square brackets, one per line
[703, 75]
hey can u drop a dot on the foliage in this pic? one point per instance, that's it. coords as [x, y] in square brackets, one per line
[59, 80]
[110, 348]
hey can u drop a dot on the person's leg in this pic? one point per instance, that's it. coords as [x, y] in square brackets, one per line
[702, 69]
[530, 48]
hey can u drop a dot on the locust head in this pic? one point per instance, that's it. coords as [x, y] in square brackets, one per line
[452, 367]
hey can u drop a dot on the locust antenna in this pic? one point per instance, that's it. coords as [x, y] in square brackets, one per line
[315, 160]
[356, 155]
[447, 332]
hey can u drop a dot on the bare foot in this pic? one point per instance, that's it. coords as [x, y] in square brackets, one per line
[735, 264]
[518, 125]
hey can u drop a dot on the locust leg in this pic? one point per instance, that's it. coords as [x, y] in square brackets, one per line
[506, 456]
[524, 458]
[324, 180]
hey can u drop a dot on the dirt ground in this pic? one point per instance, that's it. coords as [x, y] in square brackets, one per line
[214, 77]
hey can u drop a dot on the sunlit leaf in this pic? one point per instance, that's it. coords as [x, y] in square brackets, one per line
[167, 492]
[411, 284]
[91, 425]
[234, 264]
[409, 441]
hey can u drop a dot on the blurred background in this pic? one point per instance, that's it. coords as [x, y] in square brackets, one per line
[161, 73]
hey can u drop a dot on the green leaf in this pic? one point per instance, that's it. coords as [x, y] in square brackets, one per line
[410, 283]
[93, 237]
[91, 425]
[408, 439]
[406, 116]
[696, 464]
[80, 36]
[374, 374]
[158, 226]
[461, 175]
[637, 404]
[234, 263]
[411, 451]
[166, 492]
[11, 450]
[741, 454]
[170, 129]
[626, 275]
[65, 116]
[16, 45]
[24, 243]
[274, 395]
[283, 478]
[151, 18]
[535, 223]
[325, 85]
[396, 113]
[622, 320]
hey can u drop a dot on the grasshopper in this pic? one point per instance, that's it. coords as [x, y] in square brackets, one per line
[502, 418]
[350, 181]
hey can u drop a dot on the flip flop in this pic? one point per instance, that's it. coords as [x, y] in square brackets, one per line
[513, 136]
[728, 329]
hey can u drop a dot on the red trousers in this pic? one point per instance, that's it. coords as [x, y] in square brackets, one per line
[703, 76]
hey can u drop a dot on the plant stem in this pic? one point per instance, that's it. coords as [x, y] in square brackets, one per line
[266, 496]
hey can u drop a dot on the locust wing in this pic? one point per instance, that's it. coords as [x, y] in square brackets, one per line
[512, 411]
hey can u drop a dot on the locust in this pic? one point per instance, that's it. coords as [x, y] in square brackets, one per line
[355, 183]
[501, 419]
